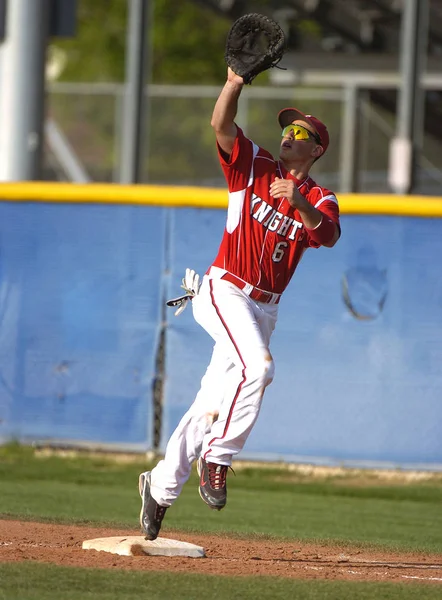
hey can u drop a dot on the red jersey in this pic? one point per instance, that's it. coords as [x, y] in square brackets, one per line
[264, 238]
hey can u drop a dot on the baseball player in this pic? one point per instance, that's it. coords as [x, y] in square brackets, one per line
[275, 212]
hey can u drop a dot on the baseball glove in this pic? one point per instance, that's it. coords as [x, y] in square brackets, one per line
[254, 44]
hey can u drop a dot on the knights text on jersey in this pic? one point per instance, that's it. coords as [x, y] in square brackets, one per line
[264, 238]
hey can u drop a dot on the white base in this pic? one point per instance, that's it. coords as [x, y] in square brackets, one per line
[136, 545]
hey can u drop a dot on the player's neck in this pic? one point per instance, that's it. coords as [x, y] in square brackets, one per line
[299, 171]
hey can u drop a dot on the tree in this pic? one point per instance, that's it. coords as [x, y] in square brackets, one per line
[186, 44]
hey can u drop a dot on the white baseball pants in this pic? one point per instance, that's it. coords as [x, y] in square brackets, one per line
[227, 405]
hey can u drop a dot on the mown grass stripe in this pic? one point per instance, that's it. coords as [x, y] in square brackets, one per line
[34, 581]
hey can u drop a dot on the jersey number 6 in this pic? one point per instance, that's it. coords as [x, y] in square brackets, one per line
[278, 252]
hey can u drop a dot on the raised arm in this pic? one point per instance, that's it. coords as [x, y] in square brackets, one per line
[224, 113]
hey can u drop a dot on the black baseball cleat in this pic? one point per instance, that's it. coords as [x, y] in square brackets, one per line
[152, 514]
[212, 487]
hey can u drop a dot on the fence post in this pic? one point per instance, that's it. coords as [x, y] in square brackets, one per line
[349, 140]
[22, 87]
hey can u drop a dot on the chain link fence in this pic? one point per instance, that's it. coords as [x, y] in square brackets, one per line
[178, 143]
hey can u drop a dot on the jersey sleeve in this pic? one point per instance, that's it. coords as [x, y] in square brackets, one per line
[328, 205]
[237, 166]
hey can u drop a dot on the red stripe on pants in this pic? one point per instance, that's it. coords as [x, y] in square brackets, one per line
[243, 371]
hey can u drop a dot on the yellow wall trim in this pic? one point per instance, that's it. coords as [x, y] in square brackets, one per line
[199, 197]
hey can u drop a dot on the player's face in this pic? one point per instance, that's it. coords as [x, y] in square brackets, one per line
[299, 140]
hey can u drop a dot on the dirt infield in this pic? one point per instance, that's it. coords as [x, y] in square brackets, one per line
[61, 545]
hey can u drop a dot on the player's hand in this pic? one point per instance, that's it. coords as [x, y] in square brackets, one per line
[287, 188]
[232, 77]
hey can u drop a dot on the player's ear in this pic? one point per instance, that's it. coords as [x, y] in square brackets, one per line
[317, 152]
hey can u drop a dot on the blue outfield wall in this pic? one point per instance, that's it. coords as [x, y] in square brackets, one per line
[80, 312]
[346, 390]
[82, 288]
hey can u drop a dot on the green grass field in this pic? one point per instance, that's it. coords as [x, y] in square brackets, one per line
[277, 503]
[43, 582]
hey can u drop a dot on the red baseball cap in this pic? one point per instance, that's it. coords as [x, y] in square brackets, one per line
[288, 115]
